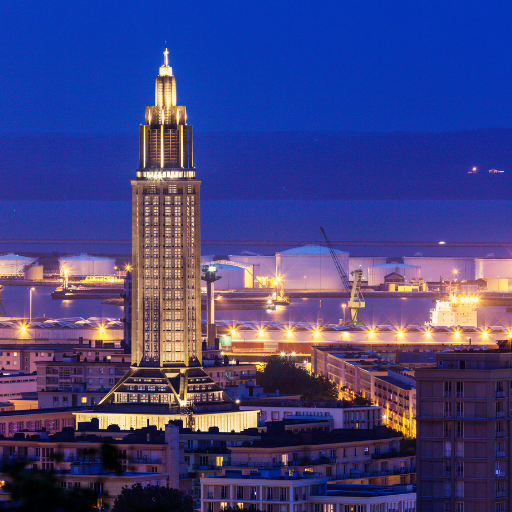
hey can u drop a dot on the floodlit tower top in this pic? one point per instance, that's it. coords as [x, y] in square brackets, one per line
[166, 70]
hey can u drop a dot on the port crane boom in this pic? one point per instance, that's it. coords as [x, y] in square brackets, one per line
[356, 301]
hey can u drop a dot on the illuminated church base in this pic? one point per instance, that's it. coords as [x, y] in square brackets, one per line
[226, 421]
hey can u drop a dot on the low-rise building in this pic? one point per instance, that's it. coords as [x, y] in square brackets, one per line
[148, 457]
[344, 414]
[52, 420]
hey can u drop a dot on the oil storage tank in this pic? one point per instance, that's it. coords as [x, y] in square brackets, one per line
[487, 268]
[84, 265]
[12, 264]
[310, 268]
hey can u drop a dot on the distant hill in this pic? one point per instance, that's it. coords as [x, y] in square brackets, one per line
[282, 165]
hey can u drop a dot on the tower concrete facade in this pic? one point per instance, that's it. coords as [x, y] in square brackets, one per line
[166, 377]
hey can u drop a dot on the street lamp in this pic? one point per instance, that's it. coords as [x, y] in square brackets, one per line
[344, 306]
[30, 308]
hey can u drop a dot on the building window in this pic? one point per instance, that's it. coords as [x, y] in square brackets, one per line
[447, 409]
[447, 389]
[460, 389]
[223, 491]
[460, 428]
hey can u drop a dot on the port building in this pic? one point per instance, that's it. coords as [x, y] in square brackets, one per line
[377, 274]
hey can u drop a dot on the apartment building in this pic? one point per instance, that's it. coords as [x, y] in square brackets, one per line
[396, 394]
[266, 490]
[18, 357]
[269, 491]
[14, 383]
[342, 455]
[78, 382]
[385, 383]
[464, 425]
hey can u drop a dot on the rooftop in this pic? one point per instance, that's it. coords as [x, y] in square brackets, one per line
[314, 250]
[368, 490]
[276, 436]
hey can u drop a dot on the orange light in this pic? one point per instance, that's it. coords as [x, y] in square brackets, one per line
[289, 332]
[316, 332]
[261, 331]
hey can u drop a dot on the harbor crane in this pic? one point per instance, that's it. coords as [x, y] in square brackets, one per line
[356, 301]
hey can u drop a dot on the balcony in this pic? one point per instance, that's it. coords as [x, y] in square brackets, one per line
[500, 454]
[500, 433]
[204, 466]
[500, 394]
[144, 460]
[370, 474]
[500, 473]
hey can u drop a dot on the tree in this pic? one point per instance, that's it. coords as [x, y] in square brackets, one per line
[282, 374]
[36, 490]
[361, 400]
[152, 499]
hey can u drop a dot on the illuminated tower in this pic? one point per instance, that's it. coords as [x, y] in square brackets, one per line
[166, 370]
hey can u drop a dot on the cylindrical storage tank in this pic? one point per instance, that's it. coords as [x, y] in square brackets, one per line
[232, 277]
[487, 268]
[377, 273]
[310, 268]
[364, 263]
[34, 273]
[12, 264]
[85, 265]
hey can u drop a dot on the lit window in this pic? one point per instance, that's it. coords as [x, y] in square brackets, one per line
[84, 399]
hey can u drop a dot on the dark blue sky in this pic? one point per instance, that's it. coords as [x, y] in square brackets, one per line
[87, 67]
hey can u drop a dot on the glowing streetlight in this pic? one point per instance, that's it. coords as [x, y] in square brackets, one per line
[293, 354]
[283, 354]
[288, 332]
[344, 307]
[31, 290]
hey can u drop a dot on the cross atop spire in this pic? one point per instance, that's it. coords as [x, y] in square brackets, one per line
[166, 70]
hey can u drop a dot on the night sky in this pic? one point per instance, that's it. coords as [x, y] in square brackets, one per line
[365, 66]
[290, 101]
